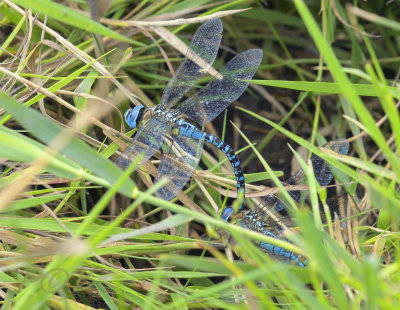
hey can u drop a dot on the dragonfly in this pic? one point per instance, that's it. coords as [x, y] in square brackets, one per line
[266, 217]
[172, 125]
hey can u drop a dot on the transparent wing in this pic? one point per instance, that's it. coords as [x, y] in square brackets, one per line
[210, 101]
[177, 164]
[203, 48]
[340, 207]
[275, 204]
[322, 170]
[147, 140]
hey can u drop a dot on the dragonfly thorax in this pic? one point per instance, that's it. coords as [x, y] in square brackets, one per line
[165, 115]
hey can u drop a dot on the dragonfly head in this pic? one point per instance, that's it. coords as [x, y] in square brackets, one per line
[134, 115]
[227, 213]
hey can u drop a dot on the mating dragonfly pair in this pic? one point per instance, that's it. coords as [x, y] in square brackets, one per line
[163, 127]
[169, 129]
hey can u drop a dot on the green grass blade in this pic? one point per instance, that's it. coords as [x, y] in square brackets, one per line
[47, 131]
[326, 87]
[71, 17]
[32, 202]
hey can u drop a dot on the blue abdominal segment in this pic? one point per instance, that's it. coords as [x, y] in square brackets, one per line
[252, 220]
[186, 129]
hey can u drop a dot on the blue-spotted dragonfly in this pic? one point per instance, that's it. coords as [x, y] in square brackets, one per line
[266, 217]
[172, 129]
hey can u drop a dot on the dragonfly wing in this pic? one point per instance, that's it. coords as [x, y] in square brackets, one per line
[222, 90]
[322, 170]
[148, 140]
[323, 173]
[177, 164]
[275, 204]
[203, 49]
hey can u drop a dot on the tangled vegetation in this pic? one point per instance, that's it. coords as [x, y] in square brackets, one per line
[78, 232]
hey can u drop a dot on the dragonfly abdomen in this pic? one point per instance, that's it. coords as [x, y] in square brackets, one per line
[279, 252]
[187, 129]
[230, 154]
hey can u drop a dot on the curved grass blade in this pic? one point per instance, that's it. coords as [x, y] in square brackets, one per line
[68, 16]
[32, 202]
[46, 131]
[16, 147]
[325, 87]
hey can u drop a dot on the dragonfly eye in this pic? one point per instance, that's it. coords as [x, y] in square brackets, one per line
[227, 213]
[133, 116]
